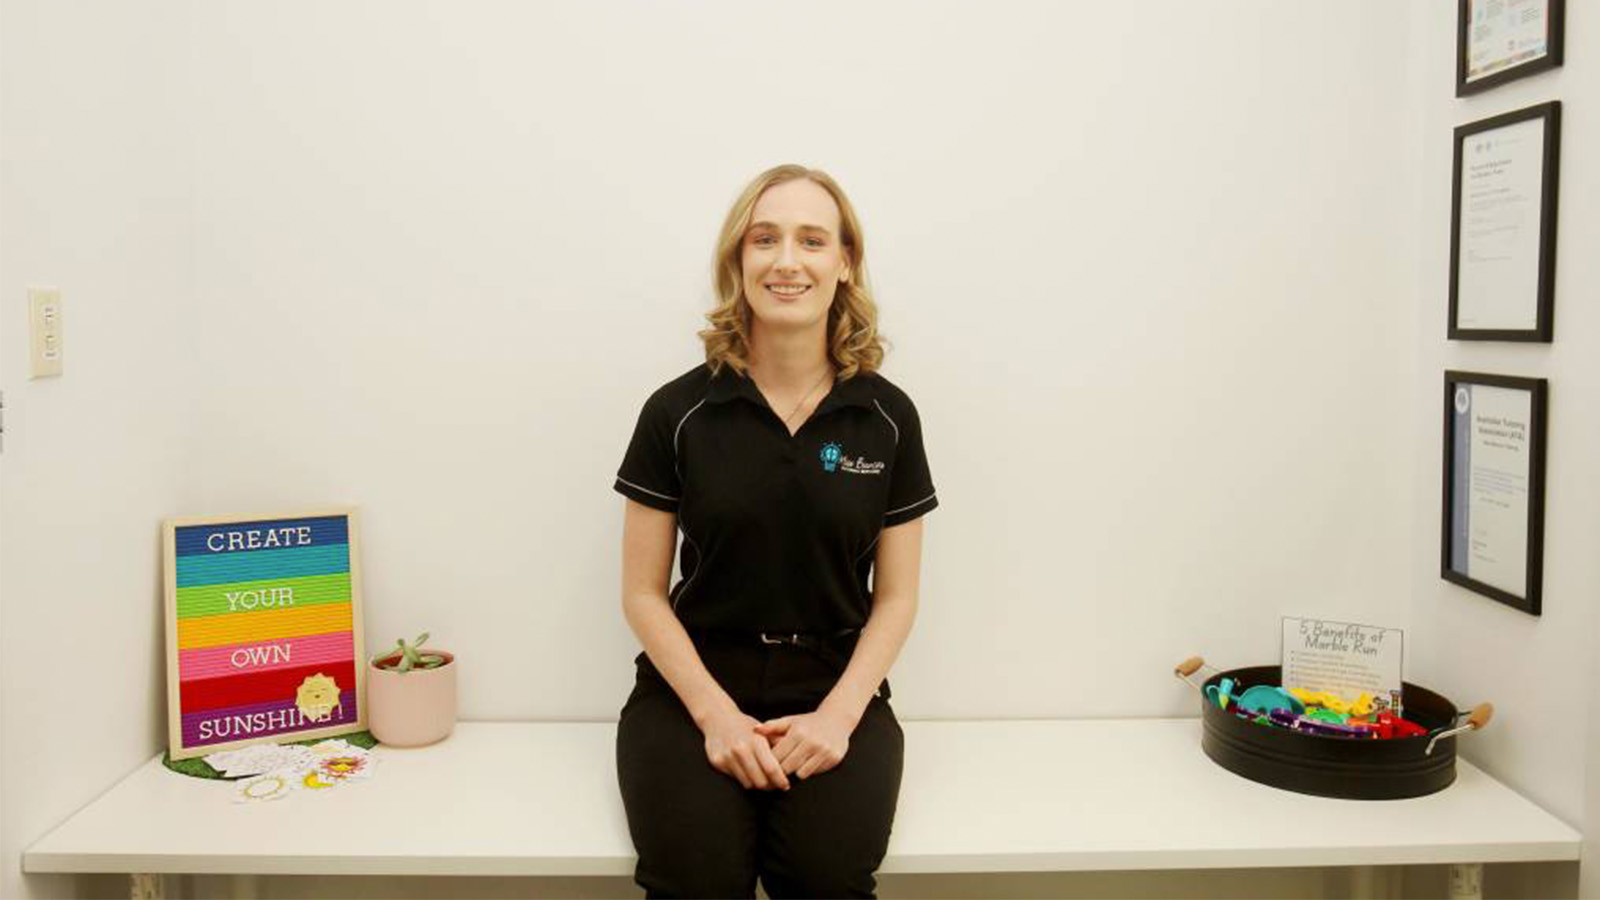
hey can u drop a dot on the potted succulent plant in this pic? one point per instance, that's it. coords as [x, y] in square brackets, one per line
[411, 694]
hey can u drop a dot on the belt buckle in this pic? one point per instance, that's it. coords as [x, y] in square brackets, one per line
[780, 639]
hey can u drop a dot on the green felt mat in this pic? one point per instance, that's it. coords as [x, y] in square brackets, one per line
[199, 768]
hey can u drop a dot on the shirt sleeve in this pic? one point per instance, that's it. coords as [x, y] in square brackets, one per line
[649, 472]
[911, 493]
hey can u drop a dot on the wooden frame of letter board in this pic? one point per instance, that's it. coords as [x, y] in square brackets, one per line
[175, 713]
[1538, 389]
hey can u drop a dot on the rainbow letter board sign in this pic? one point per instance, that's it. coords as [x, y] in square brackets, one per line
[263, 631]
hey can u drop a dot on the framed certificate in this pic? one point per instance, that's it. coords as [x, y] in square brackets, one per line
[1503, 226]
[1502, 40]
[1493, 540]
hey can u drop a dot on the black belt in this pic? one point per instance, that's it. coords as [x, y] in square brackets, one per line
[835, 647]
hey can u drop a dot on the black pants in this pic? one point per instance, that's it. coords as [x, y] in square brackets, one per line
[699, 833]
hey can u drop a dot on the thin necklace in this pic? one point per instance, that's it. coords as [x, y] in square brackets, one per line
[790, 417]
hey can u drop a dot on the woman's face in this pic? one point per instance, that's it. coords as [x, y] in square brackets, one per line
[792, 259]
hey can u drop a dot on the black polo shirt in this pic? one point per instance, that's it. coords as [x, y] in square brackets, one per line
[778, 531]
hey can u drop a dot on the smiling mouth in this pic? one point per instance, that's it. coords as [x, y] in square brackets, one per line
[788, 291]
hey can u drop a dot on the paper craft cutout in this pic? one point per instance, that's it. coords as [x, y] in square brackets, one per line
[336, 747]
[260, 759]
[341, 768]
[274, 786]
[313, 781]
[279, 770]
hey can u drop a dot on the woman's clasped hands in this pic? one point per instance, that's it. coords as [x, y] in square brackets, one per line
[808, 744]
[763, 754]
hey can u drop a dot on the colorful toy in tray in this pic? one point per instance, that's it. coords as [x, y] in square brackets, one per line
[1313, 712]
[1363, 705]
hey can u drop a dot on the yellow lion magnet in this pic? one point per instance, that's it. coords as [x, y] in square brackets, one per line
[318, 697]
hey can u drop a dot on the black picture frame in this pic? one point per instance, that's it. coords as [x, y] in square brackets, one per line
[1555, 38]
[1530, 600]
[1549, 190]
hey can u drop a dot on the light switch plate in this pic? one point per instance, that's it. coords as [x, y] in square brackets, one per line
[44, 321]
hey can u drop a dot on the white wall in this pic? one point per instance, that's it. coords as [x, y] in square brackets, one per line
[1155, 276]
[94, 200]
[1151, 295]
[1539, 671]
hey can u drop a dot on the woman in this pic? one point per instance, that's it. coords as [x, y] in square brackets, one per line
[758, 740]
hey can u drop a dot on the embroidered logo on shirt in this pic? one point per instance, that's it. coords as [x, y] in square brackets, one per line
[830, 456]
[835, 460]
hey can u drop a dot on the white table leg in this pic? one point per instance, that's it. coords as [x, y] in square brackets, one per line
[146, 886]
[1466, 881]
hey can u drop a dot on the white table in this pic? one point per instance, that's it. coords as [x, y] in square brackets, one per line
[977, 796]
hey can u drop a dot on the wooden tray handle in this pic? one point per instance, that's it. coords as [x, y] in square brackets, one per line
[1481, 714]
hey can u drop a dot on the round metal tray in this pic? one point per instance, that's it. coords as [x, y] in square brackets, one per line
[1331, 766]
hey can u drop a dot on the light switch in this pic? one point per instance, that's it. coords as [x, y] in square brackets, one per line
[44, 320]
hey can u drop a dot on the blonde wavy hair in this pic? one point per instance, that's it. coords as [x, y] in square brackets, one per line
[854, 344]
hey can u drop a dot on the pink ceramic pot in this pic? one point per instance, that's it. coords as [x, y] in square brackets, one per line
[410, 709]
